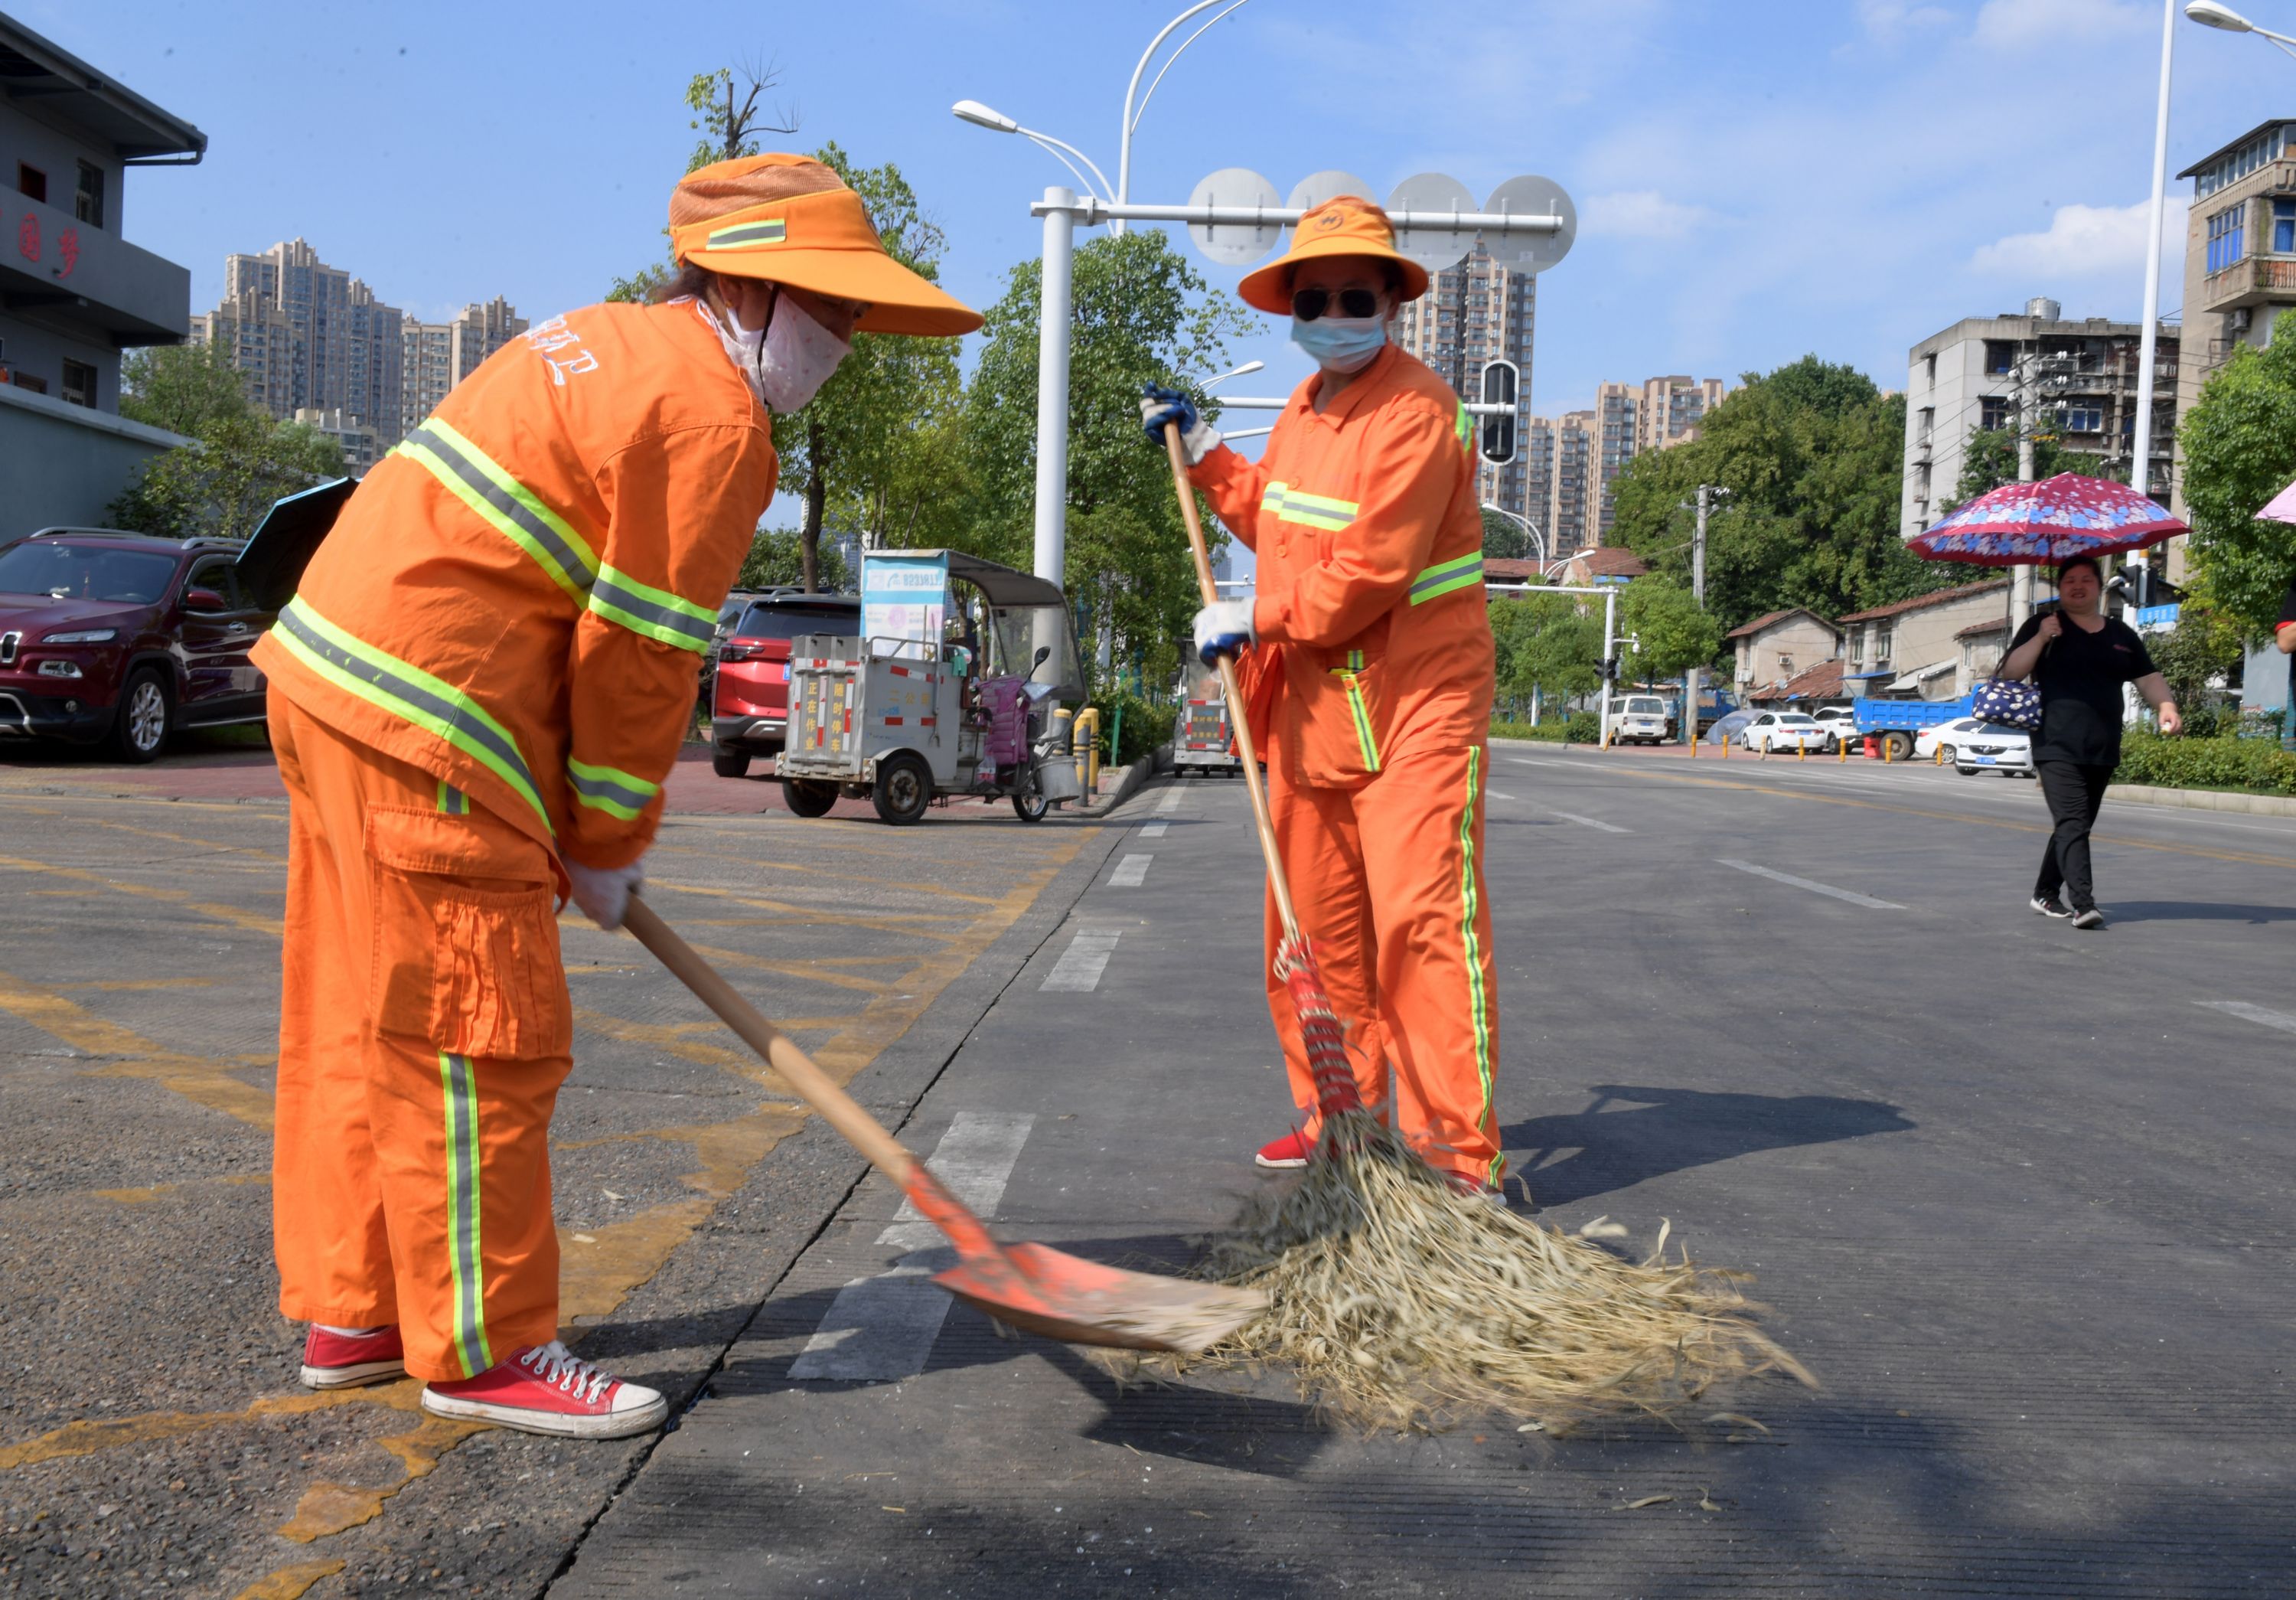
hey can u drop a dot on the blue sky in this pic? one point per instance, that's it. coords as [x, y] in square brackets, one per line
[1756, 179]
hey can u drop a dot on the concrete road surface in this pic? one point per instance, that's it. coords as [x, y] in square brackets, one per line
[2019, 1195]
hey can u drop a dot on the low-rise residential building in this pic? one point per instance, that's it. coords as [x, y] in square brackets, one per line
[2073, 380]
[2240, 252]
[1774, 647]
[1601, 564]
[1914, 648]
[73, 292]
[1818, 686]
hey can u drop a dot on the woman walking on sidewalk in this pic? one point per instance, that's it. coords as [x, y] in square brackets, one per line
[2079, 658]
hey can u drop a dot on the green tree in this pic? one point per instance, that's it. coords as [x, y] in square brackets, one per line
[1813, 456]
[182, 388]
[1989, 460]
[2239, 450]
[1677, 633]
[1550, 644]
[239, 461]
[1504, 537]
[776, 560]
[221, 485]
[1141, 314]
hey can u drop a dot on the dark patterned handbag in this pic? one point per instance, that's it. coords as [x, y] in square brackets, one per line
[2015, 705]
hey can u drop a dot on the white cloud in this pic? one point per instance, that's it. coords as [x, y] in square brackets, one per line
[1890, 21]
[2018, 24]
[2082, 242]
[1641, 213]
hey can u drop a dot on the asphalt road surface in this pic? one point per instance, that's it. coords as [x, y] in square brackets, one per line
[2020, 1195]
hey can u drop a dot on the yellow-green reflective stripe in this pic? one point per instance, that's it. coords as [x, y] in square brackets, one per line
[747, 235]
[1362, 714]
[464, 1259]
[408, 692]
[656, 613]
[507, 505]
[452, 802]
[1445, 577]
[1470, 943]
[1273, 500]
[1465, 425]
[610, 789]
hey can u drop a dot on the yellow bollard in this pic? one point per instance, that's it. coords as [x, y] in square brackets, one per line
[1725, 747]
[1939, 752]
[1801, 750]
[1888, 745]
[1840, 750]
[1084, 735]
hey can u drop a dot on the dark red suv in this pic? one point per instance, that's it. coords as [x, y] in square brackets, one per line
[120, 638]
[748, 697]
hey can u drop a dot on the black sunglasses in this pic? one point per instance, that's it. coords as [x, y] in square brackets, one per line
[1308, 303]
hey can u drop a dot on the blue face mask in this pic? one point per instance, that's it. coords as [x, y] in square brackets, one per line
[1341, 344]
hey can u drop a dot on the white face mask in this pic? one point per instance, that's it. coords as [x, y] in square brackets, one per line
[788, 362]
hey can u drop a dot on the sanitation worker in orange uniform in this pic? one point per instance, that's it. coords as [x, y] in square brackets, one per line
[476, 697]
[1370, 649]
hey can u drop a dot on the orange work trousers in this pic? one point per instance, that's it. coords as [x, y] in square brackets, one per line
[425, 1028]
[1387, 882]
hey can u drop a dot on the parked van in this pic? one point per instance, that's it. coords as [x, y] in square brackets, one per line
[1637, 719]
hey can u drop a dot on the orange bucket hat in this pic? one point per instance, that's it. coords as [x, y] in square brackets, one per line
[791, 220]
[1347, 225]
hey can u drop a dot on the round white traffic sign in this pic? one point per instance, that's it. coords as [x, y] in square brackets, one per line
[1531, 196]
[1435, 247]
[1236, 243]
[1315, 189]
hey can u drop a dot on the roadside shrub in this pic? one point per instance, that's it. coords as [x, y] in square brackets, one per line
[2251, 765]
[1147, 723]
[1583, 728]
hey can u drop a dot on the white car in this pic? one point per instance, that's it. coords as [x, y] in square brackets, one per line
[1994, 747]
[1638, 720]
[1771, 731]
[1840, 722]
[1947, 736]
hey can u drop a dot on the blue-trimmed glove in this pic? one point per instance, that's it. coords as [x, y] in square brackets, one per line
[1159, 406]
[1223, 627]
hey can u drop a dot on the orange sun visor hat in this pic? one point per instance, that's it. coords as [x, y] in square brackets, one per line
[1346, 225]
[789, 219]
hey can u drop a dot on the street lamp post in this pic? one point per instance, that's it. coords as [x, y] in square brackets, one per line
[1131, 117]
[1529, 526]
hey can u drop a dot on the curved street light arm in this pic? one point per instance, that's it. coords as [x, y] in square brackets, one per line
[1133, 126]
[1056, 146]
[1124, 146]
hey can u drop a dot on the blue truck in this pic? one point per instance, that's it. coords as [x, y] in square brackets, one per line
[1897, 721]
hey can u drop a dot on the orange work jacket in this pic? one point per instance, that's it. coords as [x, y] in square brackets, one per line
[1374, 638]
[517, 598]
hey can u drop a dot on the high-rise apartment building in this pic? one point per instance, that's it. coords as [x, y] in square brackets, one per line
[1671, 409]
[1475, 311]
[310, 336]
[441, 355]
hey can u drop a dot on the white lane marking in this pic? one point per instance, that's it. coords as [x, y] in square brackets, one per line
[1079, 968]
[1545, 761]
[2251, 1013]
[1495, 794]
[1589, 822]
[1814, 887]
[1130, 873]
[1154, 829]
[885, 1327]
[1171, 801]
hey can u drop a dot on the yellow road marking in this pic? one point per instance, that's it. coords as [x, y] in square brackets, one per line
[327, 1509]
[195, 1078]
[158, 1191]
[126, 983]
[80, 819]
[247, 920]
[291, 1583]
[884, 921]
[75, 1440]
[1983, 822]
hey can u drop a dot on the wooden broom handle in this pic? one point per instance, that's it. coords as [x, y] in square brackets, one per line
[813, 1086]
[1252, 783]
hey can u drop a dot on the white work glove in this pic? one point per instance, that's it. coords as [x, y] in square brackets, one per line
[1223, 627]
[1159, 406]
[604, 892]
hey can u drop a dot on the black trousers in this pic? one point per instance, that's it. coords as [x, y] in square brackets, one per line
[2074, 792]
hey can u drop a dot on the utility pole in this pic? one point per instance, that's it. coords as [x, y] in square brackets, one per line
[1690, 680]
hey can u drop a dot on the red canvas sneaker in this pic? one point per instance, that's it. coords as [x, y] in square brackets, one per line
[1290, 1151]
[332, 1360]
[547, 1388]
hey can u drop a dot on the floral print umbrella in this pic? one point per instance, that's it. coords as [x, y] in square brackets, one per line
[2040, 524]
